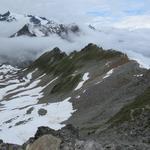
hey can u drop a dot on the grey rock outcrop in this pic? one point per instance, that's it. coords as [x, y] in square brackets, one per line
[46, 142]
[65, 139]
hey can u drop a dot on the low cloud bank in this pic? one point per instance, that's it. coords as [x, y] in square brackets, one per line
[135, 43]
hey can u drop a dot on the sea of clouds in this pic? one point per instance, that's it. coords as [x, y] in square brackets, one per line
[133, 42]
[122, 25]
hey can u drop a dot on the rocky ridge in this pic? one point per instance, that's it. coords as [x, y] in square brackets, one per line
[108, 91]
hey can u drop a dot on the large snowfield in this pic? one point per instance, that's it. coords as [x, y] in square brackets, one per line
[20, 116]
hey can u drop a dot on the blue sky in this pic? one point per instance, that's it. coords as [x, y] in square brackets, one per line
[121, 8]
[81, 10]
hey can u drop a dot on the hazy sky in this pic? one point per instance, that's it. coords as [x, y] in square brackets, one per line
[79, 10]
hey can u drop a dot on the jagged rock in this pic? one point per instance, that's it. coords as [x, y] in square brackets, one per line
[6, 14]
[7, 17]
[24, 31]
[88, 145]
[34, 20]
[65, 139]
[6, 146]
[44, 130]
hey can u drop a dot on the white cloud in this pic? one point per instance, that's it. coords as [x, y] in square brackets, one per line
[135, 43]
[121, 14]
[134, 22]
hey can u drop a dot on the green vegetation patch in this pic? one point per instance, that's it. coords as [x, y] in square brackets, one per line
[48, 60]
[66, 84]
[93, 52]
[140, 102]
[58, 63]
[65, 67]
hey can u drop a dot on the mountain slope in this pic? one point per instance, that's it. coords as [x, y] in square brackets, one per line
[85, 88]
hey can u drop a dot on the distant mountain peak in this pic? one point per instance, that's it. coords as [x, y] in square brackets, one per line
[24, 31]
[35, 26]
[7, 17]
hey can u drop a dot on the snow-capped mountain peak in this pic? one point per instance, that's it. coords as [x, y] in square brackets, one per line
[35, 26]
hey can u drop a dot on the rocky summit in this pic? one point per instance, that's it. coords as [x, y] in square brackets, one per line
[90, 99]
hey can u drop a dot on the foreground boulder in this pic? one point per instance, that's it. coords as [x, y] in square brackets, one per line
[47, 142]
[65, 139]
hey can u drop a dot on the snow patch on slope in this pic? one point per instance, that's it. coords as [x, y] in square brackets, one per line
[108, 74]
[18, 134]
[4, 69]
[21, 110]
[84, 79]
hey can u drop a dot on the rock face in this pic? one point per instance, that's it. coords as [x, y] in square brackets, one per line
[48, 142]
[5, 146]
[65, 139]
[7, 17]
[24, 31]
